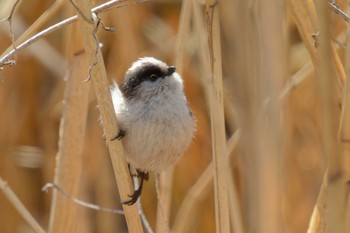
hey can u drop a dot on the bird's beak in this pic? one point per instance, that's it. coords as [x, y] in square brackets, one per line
[171, 70]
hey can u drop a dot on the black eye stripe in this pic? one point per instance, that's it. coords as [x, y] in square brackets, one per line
[148, 72]
[133, 80]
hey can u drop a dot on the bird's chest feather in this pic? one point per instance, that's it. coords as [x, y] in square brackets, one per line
[158, 118]
[160, 129]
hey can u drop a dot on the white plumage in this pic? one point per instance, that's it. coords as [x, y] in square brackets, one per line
[157, 120]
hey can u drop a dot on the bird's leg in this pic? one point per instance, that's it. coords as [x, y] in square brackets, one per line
[137, 193]
[121, 134]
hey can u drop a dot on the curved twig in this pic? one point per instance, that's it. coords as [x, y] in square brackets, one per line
[103, 7]
[80, 202]
[12, 35]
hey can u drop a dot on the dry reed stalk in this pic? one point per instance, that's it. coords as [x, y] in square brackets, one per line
[305, 17]
[236, 218]
[166, 178]
[190, 201]
[45, 32]
[338, 66]
[183, 34]
[333, 186]
[269, 138]
[318, 218]
[245, 90]
[37, 24]
[71, 142]
[22, 210]
[217, 118]
[200, 29]
[344, 127]
[303, 73]
[164, 183]
[109, 121]
[260, 70]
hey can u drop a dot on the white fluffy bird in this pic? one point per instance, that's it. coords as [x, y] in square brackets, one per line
[156, 123]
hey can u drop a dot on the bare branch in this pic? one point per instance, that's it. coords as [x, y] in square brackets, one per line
[12, 35]
[22, 210]
[80, 202]
[103, 7]
[109, 29]
[86, 18]
[338, 11]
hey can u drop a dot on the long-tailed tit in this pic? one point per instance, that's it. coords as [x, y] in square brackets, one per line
[156, 123]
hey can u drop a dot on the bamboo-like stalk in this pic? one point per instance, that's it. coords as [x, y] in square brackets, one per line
[193, 195]
[71, 141]
[164, 183]
[305, 21]
[261, 70]
[318, 222]
[344, 127]
[217, 117]
[305, 18]
[183, 34]
[334, 183]
[273, 60]
[166, 178]
[109, 121]
[22, 210]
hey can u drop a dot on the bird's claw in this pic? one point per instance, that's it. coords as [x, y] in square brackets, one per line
[121, 134]
[137, 193]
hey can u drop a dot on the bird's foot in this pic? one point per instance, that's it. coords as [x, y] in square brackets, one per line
[121, 134]
[137, 193]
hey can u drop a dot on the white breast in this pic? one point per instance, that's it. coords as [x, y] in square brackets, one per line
[158, 129]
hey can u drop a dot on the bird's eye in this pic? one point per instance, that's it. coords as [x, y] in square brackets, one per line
[153, 77]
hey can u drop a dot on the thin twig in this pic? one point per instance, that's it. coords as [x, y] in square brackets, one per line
[11, 28]
[109, 29]
[295, 80]
[12, 35]
[88, 19]
[38, 23]
[144, 220]
[103, 7]
[80, 202]
[96, 48]
[338, 11]
[22, 210]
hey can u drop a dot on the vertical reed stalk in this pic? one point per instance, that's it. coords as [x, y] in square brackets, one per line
[164, 183]
[217, 117]
[334, 182]
[190, 201]
[183, 34]
[109, 121]
[344, 128]
[273, 67]
[305, 21]
[166, 178]
[18, 205]
[71, 142]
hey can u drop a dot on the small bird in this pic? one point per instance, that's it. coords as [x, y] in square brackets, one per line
[155, 120]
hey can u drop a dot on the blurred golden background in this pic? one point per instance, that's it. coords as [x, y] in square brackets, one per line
[270, 91]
